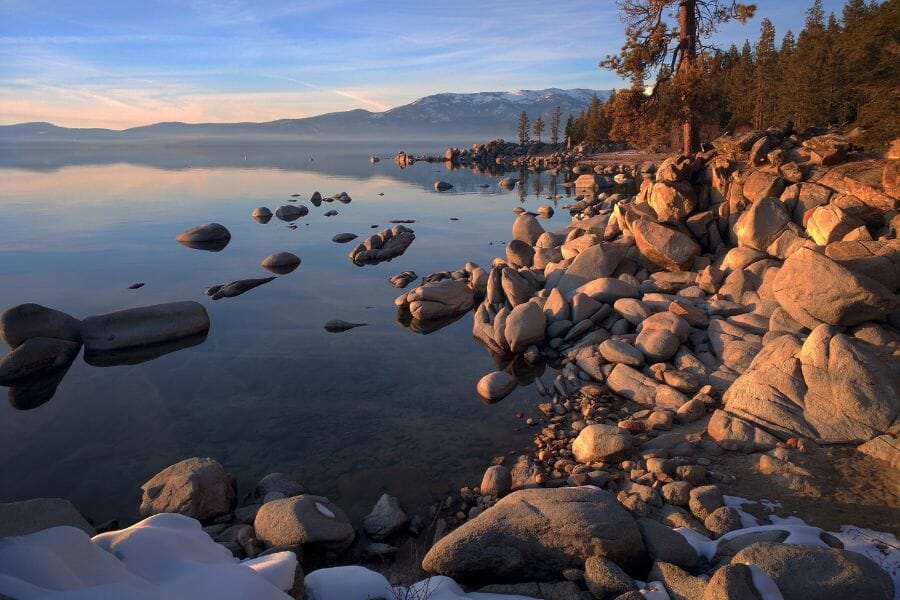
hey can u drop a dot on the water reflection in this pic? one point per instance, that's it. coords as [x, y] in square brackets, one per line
[139, 354]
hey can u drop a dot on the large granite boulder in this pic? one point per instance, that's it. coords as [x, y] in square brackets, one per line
[863, 179]
[663, 246]
[596, 443]
[815, 289]
[386, 518]
[525, 325]
[535, 534]
[209, 236]
[832, 388]
[673, 201]
[766, 226]
[599, 260]
[803, 572]
[301, 520]
[196, 487]
[26, 321]
[156, 324]
[438, 300]
[527, 229]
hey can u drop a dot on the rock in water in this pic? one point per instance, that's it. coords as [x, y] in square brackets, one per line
[37, 355]
[136, 286]
[25, 321]
[496, 386]
[235, 288]
[535, 534]
[290, 212]
[386, 518]
[343, 238]
[262, 215]
[442, 186]
[210, 236]
[337, 326]
[143, 326]
[281, 263]
[195, 487]
[303, 519]
[401, 280]
[387, 244]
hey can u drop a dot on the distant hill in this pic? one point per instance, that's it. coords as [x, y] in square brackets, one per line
[477, 116]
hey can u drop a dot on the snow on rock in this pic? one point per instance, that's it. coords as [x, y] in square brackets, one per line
[881, 548]
[359, 582]
[764, 585]
[164, 556]
[735, 502]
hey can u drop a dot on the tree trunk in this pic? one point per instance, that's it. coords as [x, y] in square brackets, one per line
[687, 25]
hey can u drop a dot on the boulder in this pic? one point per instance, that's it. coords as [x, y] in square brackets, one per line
[617, 352]
[679, 584]
[261, 214]
[673, 201]
[36, 356]
[637, 387]
[599, 260]
[802, 572]
[30, 516]
[210, 236]
[301, 520]
[527, 229]
[343, 238]
[762, 184]
[666, 544]
[497, 481]
[598, 443]
[815, 289]
[199, 488]
[605, 579]
[496, 386]
[537, 534]
[442, 186]
[385, 519]
[281, 262]
[525, 325]
[609, 289]
[664, 247]
[156, 324]
[827, 149]
[291, 212]
[862, 179]
[232, 289]
[25, 321]
[657, 345]
[732, 582]
[281, 483]
[445, 298]
[829, 224]
[519, 253]
[386, 245]
[878, 260]
[766, 226]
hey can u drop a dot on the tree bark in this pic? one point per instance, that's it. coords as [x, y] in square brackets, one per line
[687, 25]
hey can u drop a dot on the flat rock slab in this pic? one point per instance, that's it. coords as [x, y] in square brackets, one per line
[144, 326]
[29, 516]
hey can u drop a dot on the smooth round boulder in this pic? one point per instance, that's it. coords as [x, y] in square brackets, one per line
[527, 229]
[261, 214]
[597, 443]
[617, 352]
[519, 253]
[199, 488]
[442, 186]
[25, 321]
[496, 386]
[281, 263]
[212, 237]
[289, 212]
[303, 519]
[657, 345]
[343, 238]
[385, 519]
[545, 211]
[497, 481]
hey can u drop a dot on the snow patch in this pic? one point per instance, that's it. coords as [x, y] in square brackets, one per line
[165, 556]
[881, 548]
[735, 502]
[764, 584]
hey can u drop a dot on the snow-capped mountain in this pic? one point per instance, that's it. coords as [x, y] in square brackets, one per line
[451, 116]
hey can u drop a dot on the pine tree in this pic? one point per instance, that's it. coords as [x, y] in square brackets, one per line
[764, 75]
[596, 127]
[538, 127]
[523, 128]
[786, 98]
[649, 37]
[570, 128]
[554, 126]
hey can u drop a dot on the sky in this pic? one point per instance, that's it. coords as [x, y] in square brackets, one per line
[122, 63]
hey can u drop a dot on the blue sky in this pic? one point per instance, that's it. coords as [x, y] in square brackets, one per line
[119, 63]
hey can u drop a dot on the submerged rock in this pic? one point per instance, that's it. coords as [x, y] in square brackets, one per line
[289, 212]
[235, 288]
[442, 186]
[337, 326]
[343, 238]
[37, 355]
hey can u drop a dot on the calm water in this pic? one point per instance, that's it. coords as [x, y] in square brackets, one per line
[353, 414]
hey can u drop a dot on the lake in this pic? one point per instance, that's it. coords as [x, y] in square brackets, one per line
[355, 414]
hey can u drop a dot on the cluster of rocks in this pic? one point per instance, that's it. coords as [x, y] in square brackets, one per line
[443, 295]
[744, 299]
[44, 342]
[383, 246]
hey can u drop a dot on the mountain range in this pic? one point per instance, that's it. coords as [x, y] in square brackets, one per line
[476, 116]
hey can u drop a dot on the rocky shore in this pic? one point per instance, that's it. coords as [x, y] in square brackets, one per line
[735, 321]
